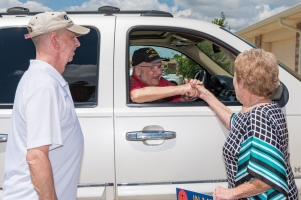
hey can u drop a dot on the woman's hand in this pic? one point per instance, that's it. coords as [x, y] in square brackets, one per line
[199, 86]
[223, 112]
[221, 193]
[248, 189]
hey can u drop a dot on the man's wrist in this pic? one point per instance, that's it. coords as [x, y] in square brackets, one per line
[193, 98]
[185, 98]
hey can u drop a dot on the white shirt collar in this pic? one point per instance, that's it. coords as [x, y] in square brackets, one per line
[49, 69]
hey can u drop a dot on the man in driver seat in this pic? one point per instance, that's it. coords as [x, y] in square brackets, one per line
[147, 84]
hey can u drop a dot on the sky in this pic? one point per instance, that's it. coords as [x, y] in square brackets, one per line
[239, 13]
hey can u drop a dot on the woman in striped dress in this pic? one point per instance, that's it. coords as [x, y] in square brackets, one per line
[256, 150]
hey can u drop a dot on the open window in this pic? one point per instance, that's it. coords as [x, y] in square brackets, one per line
[192, 55]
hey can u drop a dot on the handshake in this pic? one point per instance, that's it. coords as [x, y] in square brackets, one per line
[192, 90]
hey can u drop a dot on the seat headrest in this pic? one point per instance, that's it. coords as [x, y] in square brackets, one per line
[280, 95]
[277, 93]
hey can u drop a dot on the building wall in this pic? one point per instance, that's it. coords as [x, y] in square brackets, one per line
[251, 40]
[283, 47]
[285, 52]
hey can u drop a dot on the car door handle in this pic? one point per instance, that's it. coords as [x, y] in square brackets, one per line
[3, 137]
[150, 135]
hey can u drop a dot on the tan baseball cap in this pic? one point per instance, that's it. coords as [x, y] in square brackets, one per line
[47, 22]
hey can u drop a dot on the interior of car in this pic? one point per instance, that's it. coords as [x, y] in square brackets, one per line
[193, 56]
[196, 55]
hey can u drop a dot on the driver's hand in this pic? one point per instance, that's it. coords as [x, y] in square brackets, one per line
[191, 93]
[194, 93]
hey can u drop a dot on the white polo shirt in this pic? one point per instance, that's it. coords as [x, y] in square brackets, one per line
[43, 114]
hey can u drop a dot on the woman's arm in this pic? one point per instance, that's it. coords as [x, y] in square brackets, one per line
[223, 112]
[248, 189]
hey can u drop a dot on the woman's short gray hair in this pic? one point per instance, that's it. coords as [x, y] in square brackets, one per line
[258, 70]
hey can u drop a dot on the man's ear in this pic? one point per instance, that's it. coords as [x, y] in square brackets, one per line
[55, 41]
[137, 70]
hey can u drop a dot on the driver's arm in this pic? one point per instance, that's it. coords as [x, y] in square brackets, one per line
[152, 93]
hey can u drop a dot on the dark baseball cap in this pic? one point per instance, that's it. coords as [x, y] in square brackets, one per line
[148, 54]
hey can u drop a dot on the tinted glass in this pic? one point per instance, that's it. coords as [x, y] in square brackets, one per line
[15, 53]
[81, 73]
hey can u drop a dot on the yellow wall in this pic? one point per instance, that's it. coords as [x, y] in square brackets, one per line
[285, 52]
[282, 43]
[277, 34]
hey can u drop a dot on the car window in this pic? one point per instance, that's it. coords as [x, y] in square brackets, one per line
[219, 55]
[191, 56]
[15, 53]
[81, 73]
[176, 69]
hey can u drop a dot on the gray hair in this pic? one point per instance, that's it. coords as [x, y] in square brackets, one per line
[40, 39]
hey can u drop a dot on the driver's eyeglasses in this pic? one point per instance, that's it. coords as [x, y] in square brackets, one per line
[155, 67]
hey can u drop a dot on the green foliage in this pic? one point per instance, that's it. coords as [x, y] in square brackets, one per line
[206, 47]
[219, 56]
[221, 21]
[187, 67]
[166, 70]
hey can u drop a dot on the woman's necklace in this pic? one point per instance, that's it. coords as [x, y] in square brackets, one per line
[253, 103]
[247, 108]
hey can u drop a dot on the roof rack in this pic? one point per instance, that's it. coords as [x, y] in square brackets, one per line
[17, 10]
[107, 10]
[156, 13]
[146, 13]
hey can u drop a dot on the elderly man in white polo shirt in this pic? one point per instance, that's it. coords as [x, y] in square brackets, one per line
[44, 149]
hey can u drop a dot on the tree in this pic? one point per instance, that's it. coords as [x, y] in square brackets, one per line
[222, 21]
[186, 66]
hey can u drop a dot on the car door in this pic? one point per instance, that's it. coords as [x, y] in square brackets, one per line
[159, 147]
[90, 88]
[190, 157]
[97, 174]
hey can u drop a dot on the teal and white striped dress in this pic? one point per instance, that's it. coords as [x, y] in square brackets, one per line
[257, 147]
